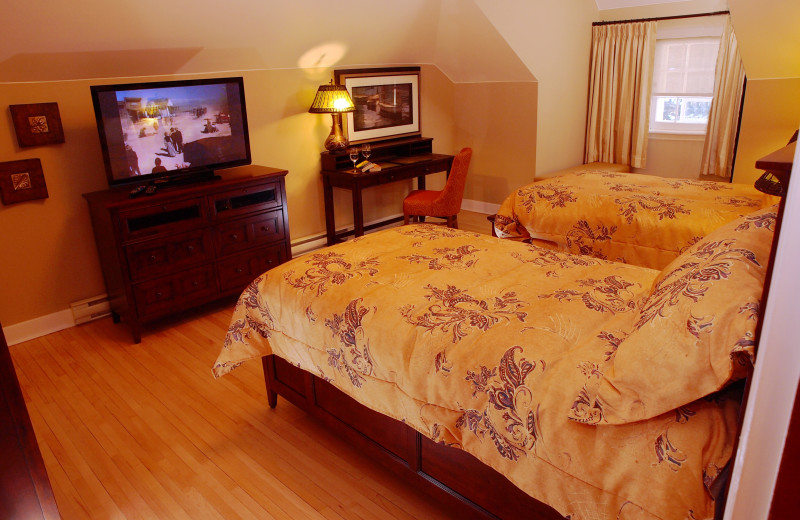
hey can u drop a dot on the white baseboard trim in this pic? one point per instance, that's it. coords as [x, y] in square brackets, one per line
[310, 243]
[480, 206]
[38, 327]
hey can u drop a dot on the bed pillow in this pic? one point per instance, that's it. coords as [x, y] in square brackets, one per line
[694, 332]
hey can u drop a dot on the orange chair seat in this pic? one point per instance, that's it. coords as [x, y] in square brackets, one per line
[445, 203]
[423, 202]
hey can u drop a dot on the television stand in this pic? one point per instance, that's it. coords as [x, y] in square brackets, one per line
[185, 246]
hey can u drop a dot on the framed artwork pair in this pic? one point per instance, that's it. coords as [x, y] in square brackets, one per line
[35, 124]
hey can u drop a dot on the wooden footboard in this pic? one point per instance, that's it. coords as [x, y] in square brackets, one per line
[469, 487]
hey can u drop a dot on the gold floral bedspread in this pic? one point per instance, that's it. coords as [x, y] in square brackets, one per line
[626, 217]
[487, 345]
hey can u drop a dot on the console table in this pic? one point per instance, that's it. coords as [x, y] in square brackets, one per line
[188, 245]
[399, 160]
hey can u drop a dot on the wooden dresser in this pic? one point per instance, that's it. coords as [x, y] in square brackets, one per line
[185, 246]
[25, 490]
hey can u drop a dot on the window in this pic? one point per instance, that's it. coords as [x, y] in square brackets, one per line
[683, 84]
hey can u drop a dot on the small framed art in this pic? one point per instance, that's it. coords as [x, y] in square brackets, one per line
[21, 181]
[386, 100]
[37, 124]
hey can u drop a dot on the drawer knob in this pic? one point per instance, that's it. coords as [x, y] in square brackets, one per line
[190, 248]
[239, 270]
[235, 236]
[152, 258]
[159, 295]
[195, 283]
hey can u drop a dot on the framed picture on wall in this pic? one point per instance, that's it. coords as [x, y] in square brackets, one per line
[22, 180]
[37, 124]
[386, 100]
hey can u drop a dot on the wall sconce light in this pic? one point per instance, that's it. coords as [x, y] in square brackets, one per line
[334, 100]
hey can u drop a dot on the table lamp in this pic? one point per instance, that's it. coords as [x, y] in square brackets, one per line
[334, 100]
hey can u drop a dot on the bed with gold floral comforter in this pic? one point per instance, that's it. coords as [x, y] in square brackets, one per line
[626, 217]
[599, 388]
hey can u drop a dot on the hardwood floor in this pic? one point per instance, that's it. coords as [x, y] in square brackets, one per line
[144, 431]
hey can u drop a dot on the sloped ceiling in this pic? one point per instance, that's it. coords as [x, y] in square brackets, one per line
[768, 33]
[51, 41]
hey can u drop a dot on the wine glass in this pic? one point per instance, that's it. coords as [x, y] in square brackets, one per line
[353, 151]
[366, 151]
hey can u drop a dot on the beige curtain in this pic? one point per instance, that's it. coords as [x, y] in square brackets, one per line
[724, 115]
[619, 93]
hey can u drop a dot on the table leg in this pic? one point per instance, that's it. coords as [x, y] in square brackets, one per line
[330, 221]
[421, 182]
[358, 212]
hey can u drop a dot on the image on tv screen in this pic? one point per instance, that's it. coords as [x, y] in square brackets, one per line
[160, 130]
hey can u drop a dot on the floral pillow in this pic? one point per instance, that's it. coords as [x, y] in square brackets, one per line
[693, 334]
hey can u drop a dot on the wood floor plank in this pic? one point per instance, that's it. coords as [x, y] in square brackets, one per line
[186, 461]
[139, 427]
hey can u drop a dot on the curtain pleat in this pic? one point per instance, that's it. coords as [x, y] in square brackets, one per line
[619, 93]
[723, 117]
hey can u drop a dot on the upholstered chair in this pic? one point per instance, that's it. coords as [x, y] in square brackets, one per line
[445, 203]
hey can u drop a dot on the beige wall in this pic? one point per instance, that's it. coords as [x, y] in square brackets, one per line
[676, 156]
[48, 258]
[767, 34]
[553, 40]
[771, 115]
[490, 119]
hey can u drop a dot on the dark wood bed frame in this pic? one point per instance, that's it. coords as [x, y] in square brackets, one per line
[468, 487]
[464, 484]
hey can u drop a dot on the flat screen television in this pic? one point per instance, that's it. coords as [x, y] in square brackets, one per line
[171, 131]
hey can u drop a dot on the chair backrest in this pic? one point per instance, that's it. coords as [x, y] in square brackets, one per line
[453, 190]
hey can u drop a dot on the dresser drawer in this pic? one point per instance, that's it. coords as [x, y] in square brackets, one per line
[172, 293]
[165, 217]
[245, 200]
[170, 254]
[239, 270]
[247, 233]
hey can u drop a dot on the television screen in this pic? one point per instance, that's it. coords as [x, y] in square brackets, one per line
[171, 130]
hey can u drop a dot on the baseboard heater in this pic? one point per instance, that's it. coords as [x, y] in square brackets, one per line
[90, 309]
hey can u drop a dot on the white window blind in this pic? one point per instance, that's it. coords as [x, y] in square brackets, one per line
[683, 84]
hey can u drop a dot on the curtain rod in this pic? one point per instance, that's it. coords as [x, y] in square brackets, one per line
[610, 22]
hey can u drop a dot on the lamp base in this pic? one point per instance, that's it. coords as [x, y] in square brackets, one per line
[336, 140]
